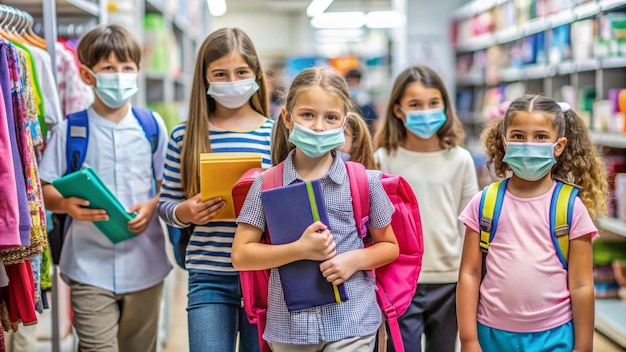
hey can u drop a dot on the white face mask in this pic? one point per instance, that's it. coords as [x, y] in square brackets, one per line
[232, 95]
[116, 88]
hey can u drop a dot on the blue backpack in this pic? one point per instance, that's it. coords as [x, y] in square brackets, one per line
[75, 151]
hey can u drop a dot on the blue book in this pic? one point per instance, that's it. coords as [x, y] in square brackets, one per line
[289, 210]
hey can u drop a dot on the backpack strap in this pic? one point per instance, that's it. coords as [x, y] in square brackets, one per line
[561, 210]
[488, 215]
[359, 190]
[76, 141]
[149, 125]
[273, 177]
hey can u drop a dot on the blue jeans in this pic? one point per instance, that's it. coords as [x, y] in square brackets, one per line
[215, 315]
[559, 339]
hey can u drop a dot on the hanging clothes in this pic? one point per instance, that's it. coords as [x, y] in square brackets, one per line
[5, 85]
[74, 94]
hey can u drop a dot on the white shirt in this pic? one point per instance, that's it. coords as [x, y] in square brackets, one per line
[443, 183]
[121, 155]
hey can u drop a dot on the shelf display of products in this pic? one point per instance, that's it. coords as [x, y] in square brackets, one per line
[569, 50]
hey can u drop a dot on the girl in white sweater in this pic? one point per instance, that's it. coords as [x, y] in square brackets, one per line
[419, 140]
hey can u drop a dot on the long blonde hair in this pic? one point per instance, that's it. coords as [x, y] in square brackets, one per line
[218, 44]
[329, 81]
[579, 164]
[362, 146]
[393, 132]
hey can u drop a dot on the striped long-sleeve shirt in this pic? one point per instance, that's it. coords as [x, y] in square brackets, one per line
[210, 245]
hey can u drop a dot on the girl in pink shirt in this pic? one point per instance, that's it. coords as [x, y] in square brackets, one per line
[527, 300]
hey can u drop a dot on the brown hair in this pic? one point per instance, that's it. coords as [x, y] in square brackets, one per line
[579, 164]
[102, 41]
[362, 146]
[393, 131]
[218, 44]
[328, 80]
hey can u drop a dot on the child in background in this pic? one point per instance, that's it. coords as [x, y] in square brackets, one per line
[309, 130]
[419, 140]
[358, 146]
[227, 113]
[527, 300]
[115, 288]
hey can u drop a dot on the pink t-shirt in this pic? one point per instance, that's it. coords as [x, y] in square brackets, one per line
[525, 289]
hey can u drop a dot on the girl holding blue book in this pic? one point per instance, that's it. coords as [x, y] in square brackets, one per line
[308, 131]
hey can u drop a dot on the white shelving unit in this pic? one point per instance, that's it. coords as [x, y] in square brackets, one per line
[604, 73]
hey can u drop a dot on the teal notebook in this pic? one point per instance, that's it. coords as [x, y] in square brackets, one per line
[86, 184]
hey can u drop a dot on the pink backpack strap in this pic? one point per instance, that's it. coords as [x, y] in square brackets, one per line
[359, 190]
[273, 177]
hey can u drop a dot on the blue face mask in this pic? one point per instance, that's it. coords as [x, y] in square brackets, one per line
[316, 144]
[530, 161]
[425, 123]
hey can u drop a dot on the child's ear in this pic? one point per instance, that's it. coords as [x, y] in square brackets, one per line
[286, 117]
[86, 75]
[398, 113]
[559, 148]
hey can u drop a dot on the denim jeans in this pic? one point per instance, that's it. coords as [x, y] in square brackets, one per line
[215, 315]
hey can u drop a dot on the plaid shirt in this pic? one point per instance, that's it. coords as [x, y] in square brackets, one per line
[360, 315]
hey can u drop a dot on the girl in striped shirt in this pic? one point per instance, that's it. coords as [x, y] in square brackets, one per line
[227, 113]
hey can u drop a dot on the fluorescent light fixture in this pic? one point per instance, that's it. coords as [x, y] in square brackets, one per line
[317, 7]
[339, 20]
[385, 19]
[217, 7]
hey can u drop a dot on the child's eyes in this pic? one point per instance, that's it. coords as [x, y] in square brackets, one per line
[244, 72]
[308, 115]
[332, 117]
[543, 137]
[517, 136]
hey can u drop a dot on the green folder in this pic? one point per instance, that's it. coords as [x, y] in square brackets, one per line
[86, 184]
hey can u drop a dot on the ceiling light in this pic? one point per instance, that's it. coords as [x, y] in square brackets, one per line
[385, 19]
[317, 7]
[217, 7]
[339, 20]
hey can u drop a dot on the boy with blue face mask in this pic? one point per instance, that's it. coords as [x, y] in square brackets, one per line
[115, 288]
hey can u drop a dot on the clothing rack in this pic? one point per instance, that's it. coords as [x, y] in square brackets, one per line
[71, 30]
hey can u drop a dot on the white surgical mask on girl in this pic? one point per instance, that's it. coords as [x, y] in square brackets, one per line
[115, 88]
[232, 95]
[425, 123]
[316, 144]
[530, 161]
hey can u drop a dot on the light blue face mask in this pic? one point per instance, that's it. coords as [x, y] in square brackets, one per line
[425, 123]
[115, 88]
[316, 144]
[530, 161]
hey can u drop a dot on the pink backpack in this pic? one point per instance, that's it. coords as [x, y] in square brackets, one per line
[396, 282]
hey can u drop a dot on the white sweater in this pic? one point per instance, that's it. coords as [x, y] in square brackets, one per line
[443, 182]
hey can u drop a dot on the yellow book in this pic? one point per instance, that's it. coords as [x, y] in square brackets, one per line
[218, 174]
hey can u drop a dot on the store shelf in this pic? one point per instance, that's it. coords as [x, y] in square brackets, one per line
[612, 225]
[511, 74]
[89, 7]
[611, 319]
[538, 25]
[65, 7]
[611, 4]
[613, 140]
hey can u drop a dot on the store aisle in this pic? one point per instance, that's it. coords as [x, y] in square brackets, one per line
[177, 341]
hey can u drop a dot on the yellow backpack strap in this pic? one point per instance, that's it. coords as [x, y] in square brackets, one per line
[489, 212]
[561, 210]
[488, 215]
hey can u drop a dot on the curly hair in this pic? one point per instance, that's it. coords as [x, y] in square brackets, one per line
[393, 132]
[579, 164]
